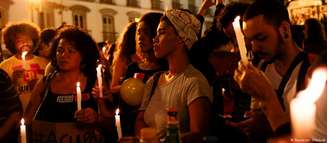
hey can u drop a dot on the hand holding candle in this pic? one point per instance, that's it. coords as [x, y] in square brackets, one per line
[78, 96]
[118, 124]
[22, 131]
[240, 40]
[99, 78]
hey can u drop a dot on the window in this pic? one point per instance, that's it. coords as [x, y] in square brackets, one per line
[109, 33]
[107, 1]
[46, 17]
[209, 12]
[156, 4]
[192, 7]
[80, 16]
[132, 15]
[176, 4]
[108, 28]
[88, 0]
[133, 3]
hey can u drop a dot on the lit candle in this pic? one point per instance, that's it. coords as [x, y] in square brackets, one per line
[24, 53]
[23, 131]
[223, 91]
[136, 19]
[99, 77]
[118, 124]
[78, 96]
[104, 50]
[240, 40]
[302, 108]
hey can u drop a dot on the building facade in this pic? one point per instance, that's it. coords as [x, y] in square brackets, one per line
[103, 19]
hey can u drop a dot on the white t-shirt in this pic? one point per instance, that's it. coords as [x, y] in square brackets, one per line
[290, 88]
[24, 74]
[182, 90]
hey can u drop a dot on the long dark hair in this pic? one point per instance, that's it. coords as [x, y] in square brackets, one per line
[151, 21]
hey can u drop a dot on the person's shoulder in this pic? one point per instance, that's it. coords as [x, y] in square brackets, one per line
[8, 61]
[194, 75]
[4, 77]
[40, 60]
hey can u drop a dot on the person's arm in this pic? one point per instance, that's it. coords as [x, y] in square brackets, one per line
[118, 72]
[140, 123]
[35, 101]
[12, 122]
[105, 113]
[199, 112]
[206, 4]
[254, 82]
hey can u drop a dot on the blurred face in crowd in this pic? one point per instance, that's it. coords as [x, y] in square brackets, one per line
[23, 43]
[44, 50]
[264, 37]
[143, 39]
[68, 58]
[165, 40]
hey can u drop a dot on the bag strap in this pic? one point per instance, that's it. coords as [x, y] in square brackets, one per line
[299, 58]
[302, 74]
[46, 88]
[157, 75]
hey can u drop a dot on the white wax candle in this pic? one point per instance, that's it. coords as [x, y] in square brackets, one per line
[240, 40]
[24, 53]
[78, 96]
[118, 124]
[22, 131]
[302, 108]
[99, 77]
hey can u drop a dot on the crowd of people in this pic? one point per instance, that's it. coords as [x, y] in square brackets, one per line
[202, 77]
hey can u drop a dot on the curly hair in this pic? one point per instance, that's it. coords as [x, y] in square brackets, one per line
[11, 31]
[126, 45]
[84, 44]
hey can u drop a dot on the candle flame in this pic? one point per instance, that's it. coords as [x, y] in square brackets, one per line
[104, 50]
[24, 53]
[237, 19]
[117, 111]
[22, 121]
[77, 84]
[303, 107]
[315, 86]
[136, 19]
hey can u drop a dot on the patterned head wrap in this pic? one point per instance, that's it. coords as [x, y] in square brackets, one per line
[186, 25]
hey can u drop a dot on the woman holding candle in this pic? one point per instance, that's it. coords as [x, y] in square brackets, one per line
[74, 56]
[147, 64]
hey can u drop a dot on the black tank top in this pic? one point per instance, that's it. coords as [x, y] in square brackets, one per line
[61, 107]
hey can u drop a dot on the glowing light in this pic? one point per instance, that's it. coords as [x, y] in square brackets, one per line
[303, 108]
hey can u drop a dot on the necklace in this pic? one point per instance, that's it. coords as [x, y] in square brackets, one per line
[169, 76]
